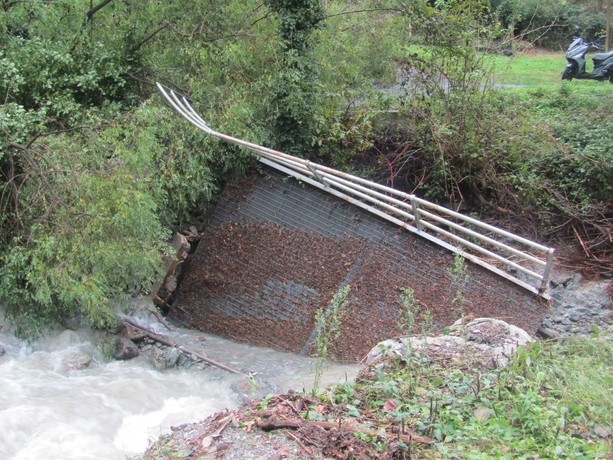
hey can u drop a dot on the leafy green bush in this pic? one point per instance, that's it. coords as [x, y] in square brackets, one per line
[90, 230]
[88, 191]
[454, 142]
[295, 86]
[550, 23]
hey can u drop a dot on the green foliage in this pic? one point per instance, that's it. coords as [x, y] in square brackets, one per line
[184, 162]
[582, 166]
[536, 407]
[295, 87]
[459, 279]
[89, 192]
[411, 314]
[456, 148]
[407, 314]
[90, 230]
[551, 23]
[327, 329]
[39, 74]
[297, 19]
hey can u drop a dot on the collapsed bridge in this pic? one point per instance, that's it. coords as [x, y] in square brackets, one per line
[277, 249]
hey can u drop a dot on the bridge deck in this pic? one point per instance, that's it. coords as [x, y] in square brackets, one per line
[277, 249]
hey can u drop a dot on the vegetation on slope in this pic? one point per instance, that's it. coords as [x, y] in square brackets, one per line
[553, 401]
[96, 170]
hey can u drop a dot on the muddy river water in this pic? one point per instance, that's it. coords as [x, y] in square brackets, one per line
[53, 405]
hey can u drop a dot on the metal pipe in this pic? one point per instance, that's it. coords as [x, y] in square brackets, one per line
[436, 229]
[443, 221]
[408, 227]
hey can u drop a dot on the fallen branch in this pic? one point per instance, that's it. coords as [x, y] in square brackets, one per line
[277, 424]
[182, 349]
[587, 253]
[304, 448]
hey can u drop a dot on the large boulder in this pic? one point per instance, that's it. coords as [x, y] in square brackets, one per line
[159, 356]
[125, 349]
[484, 343]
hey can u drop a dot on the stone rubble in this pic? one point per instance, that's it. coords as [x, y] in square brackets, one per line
[483, 342]
[580, 307]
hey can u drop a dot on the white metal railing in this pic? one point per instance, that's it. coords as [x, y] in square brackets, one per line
[477, 241]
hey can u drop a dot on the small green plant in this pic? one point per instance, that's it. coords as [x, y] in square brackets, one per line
[265, 401]
[459, 279]
[327, 326]
[408, 311]
[253, 384]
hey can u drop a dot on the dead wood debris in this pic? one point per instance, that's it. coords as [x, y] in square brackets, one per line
[170, 343]
[343, 438]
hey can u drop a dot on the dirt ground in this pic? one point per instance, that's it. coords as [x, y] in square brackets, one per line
[276, 429]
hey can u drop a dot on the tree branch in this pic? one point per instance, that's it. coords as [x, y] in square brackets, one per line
[371, 10]
[162, 26]
[96, 8]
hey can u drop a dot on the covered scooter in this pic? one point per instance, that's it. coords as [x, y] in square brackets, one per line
[575, 55]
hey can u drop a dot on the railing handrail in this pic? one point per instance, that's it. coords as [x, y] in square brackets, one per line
[402, 208]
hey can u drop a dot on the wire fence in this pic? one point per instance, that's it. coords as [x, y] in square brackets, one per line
[513, 257]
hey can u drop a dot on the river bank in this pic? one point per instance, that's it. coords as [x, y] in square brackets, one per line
[63, 399]
[442, 400]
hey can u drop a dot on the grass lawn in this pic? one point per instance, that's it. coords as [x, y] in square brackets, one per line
[539, 69]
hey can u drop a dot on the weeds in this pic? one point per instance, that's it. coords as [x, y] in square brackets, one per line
[550, 402]
[327, 326]
[409, 313]
[459, 279]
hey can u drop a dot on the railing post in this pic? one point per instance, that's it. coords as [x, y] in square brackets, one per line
[547, 270]
[416, 213]
[311, 168]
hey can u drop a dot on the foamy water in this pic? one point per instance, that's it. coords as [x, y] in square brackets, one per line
[49, 409]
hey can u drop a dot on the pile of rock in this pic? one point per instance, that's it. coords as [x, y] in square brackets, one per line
[483, 343]
[132, 342]
[580, 307]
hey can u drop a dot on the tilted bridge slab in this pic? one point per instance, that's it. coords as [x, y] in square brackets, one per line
[282, 241]
[276, 250]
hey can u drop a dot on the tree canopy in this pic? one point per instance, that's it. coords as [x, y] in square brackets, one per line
[96, 171]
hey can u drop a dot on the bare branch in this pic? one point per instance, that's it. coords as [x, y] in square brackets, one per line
[96, 8]
[370, 10]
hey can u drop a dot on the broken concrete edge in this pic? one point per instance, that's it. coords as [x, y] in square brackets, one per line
[486, 343]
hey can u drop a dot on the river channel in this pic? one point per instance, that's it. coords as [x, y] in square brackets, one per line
[53, 405]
